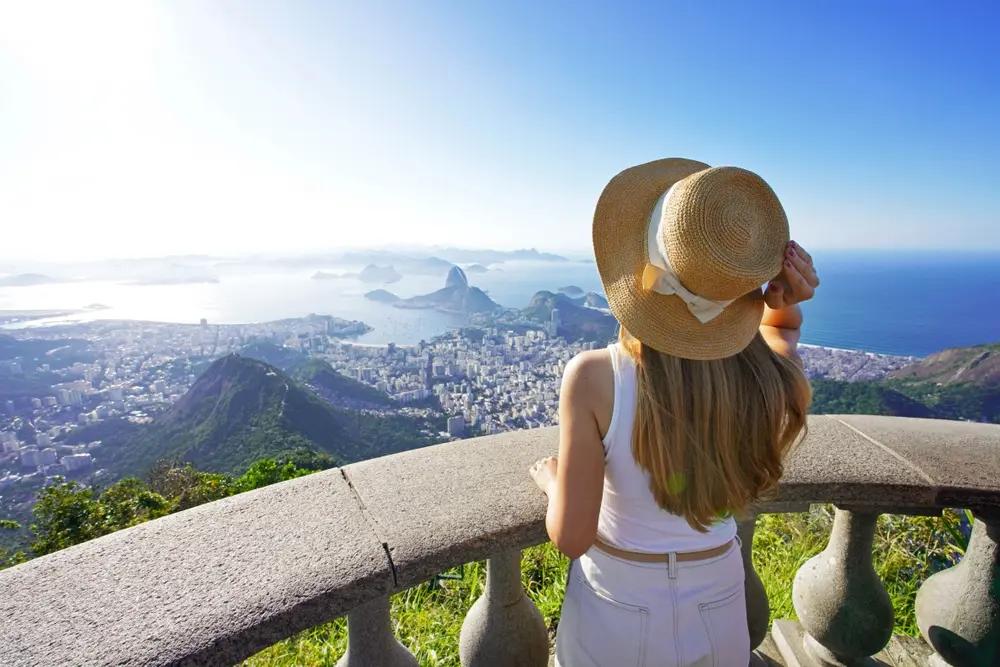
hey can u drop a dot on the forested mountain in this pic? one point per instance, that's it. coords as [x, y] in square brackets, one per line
[242, 410]
[957, 383]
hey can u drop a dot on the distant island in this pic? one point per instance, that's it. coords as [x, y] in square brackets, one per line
[379, 274]
[476, 268]
[571, 291]
[370, 274]
[424, 266]
[382, 296]
[26, 280]
[457, 296]
[190, 280]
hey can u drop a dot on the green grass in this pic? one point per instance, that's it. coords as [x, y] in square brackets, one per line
[428, 621]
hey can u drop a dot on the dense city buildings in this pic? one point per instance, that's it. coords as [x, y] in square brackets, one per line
[502, 374]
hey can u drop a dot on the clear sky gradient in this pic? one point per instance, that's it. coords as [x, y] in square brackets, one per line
[237, 126]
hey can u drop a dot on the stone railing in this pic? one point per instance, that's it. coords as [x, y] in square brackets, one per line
[218, 583]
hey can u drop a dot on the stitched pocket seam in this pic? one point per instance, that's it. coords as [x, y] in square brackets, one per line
[706, 621]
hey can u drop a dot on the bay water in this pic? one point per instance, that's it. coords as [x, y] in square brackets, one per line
[889, 302]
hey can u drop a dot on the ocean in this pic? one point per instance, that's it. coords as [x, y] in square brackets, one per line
[888, 302]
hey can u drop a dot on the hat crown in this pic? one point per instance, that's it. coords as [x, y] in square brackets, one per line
[725, 232]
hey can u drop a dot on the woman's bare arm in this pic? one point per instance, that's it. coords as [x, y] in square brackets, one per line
[780, 329]
[574, 482]
[796, 283]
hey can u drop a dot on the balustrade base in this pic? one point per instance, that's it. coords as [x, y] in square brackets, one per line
[788, 637]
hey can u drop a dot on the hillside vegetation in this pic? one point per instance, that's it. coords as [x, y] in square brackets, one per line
[979, 365]
[319, 374]
[958, 383]
[242, 410]
[32, 353]
[576, 320]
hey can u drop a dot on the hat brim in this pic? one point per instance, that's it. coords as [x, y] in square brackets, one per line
[663, 322]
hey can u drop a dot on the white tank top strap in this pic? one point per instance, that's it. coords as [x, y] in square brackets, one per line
[623, 408]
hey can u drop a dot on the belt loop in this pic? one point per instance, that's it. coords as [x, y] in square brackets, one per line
[672, 565]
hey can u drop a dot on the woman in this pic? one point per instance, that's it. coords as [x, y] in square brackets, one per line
[673, 431]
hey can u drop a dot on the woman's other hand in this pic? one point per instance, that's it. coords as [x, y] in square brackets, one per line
[544, 472]
[797, 281]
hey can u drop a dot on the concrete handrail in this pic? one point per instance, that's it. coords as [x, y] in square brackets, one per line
[220, 582]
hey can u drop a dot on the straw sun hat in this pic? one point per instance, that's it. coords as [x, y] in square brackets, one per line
[683, 250]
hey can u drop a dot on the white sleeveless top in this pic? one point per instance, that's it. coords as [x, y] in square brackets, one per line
[630, 519]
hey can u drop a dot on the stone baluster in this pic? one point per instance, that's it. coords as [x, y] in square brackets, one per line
[504, 628]
[841, 603]
[370, 641]
[758, 607]
[958, 609]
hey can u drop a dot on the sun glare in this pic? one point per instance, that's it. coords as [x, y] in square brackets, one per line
[76, 44]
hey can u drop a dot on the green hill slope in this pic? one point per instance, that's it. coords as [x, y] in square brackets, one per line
[864, 398]
[979, 364]
[576, 321]
[34, 352]
[241, 410]
[333, 385]
[957, 383]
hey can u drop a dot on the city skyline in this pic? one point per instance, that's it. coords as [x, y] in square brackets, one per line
[155, 129]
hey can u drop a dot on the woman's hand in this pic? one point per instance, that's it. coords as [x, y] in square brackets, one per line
[797, 281]
[544, 472]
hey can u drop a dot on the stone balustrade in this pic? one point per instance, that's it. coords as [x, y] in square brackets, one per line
[215, 584]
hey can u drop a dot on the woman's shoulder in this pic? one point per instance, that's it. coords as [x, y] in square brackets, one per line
[591, 365]
[589, 380]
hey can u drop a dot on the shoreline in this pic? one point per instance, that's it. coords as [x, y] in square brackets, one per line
[40, 319]
[813, 346]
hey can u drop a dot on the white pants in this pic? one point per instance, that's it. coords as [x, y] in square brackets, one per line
[620, 613]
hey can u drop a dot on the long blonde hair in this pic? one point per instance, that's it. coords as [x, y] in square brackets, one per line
[713, 435]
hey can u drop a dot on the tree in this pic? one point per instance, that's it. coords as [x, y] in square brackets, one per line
[128, 503]
[10, 557]
[266, 472]
[65, 514]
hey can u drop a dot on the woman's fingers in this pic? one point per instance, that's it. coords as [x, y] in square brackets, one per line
[800, 287]
[804, 269]
[801, 252]
[774, 295]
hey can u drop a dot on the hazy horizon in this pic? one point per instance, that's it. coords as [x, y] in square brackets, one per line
[14, 266]
[175, 128]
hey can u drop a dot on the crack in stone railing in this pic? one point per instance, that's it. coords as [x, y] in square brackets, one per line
[373, 524]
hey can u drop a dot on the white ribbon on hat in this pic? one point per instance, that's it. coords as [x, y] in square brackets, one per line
[660, 277]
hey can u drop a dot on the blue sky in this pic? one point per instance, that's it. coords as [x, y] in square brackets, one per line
[236, 126]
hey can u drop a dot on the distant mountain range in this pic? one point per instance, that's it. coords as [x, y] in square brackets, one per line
[457, 296]
[241, 410]
[460, 256]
